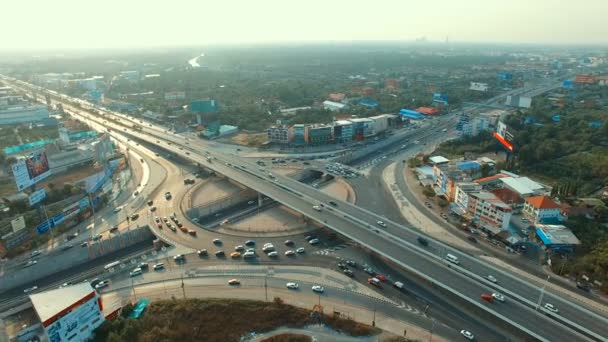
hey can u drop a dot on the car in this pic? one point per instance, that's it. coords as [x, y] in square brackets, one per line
[268, 248]
[179, 257]
[472, 239]
[251, 202]
[66, 284]
[66, 247]
[117, 209]
[318, 288]
[491, 278]
[314, 241]
[152, 209]
[239, 248]
[168, 195]
[374, 281]
[422, 241]
[252, 250]
[217, 241]
[381, 224]
[97, 237]
[134, 217]
[289, 243]
[234, 282]
[351, 263]
[192, 232]
[249, 243]
[369, 271]
[309, 237]
[102, 284]
[551, 308]
[290, 253]
[143, 265]
[498, 297]
[30, 263]
[220, 254]
[158, 266]
[235, 255]
[348, 272]
[150, 202]
[292, 286]
[273, 254]
[71, 237]
[84, 244]
[380, 277]
[342, 266]
[300, 250]
[165, 219]
[137, 271]
[202, 252]
[172, 227]
[317, 208]
[467, 334]
[113, 229]
[35, 253]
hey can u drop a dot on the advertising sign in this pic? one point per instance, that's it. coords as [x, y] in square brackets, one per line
[478, 86]
[46, 226]
[31, 170]
[440, 98]
[71, 210]
[37, 196]
[18, 223]
[504, 136]
[77, 324]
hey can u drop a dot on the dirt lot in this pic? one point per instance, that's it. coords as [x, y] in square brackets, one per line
[212, 191]
[207, 320]
[247, 139]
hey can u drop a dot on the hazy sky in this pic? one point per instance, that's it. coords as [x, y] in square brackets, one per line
[126, 23]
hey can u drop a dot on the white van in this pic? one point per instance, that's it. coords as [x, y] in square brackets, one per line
[452, 258]
[135, 272]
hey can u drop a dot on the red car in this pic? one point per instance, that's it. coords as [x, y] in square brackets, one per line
[487, 297]
[381, 277]
[159, 225]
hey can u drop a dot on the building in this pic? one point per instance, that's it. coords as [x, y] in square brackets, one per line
[362, 128]
[204, 106]
[278, 134]
[368, 103]
[523, 186]
[25, 114]
[293, 110]
[175, 95]
[381, 122]
[343, 131]
[472, 128]
[73, 157]
[152, 116]
[541, 209]
[337, 97]
[130, 75]
[319, 134]
[518, 101]
[490, 213]
[491, 182]
[438, 160]
[300, 137]
[70, 313]
[428, 110]
[461, 197]
[556, 237]
[410, 114]
[334, 106]
[477, 86]
[493, 116]
[509, 196]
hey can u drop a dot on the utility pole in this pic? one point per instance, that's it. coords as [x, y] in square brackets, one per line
[183, 288]
[542, 292]
[266, 287]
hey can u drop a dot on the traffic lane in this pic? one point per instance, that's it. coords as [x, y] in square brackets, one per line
[519, 314]
[426, 300]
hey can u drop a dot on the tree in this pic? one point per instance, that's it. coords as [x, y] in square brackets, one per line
[428, 191]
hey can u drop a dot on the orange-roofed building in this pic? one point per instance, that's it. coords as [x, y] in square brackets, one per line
[541, 209]
[428, 110]
[337, 97]
[490, 180]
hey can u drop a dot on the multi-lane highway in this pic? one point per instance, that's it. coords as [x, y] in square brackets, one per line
[397, 243]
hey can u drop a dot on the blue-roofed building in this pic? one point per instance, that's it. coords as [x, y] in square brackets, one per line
[368, 103]
[556, 118]
[411, 114]
[468, 166]
[595, 124]
[557, 237]
[204, 106]
[529, 120]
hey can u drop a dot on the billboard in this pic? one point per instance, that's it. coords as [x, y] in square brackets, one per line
[79, 321]
[519, 101]
[46, 226]
[31, 170]
[71, 210]
[503, 136]
[18, 224]
[478, 86]
[440, 98]
[37, 196]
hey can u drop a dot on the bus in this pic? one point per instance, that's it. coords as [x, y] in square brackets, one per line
[112, 264]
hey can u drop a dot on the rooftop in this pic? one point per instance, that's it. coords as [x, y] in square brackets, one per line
[542, 202]
[47, 304]
[468, 165]
[490, 198]
[522, 185]
[438, 159]
[556, 235]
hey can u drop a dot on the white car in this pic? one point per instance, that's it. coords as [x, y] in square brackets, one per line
[498, 297]
[469, 335]
[290, 253]
[316, 207]
[273, 254]
[158, 266]
[318, 288]
[239, 248]
[135, 272]
[550, 307]
[292, 286]
[249, 254]
[268, 248]
[491, 278]
[314, 241]
[30, 263]
[300, 250]
[102, 284]
[30, 289]
[381, 224]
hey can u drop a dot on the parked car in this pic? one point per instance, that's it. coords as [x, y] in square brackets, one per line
[300, 250]
[158, 266]
[202, 252]
[348, 272]
[249, 243]
[314, 241]
[351, 263]
[102, 284]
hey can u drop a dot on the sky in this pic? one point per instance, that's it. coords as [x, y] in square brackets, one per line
[59, 24]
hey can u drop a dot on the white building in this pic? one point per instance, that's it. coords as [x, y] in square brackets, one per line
[491, 213]
[476, 86]
[461, 197]
[25, 114]
[334, 106]
[541, 209]
[523, 186]
[71, 313]
[475, 126]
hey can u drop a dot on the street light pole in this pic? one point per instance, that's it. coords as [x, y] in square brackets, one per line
[542, 292]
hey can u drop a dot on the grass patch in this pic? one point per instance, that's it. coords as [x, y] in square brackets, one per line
[218, 320]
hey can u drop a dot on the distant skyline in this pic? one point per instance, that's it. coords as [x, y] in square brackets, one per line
[75, 24]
